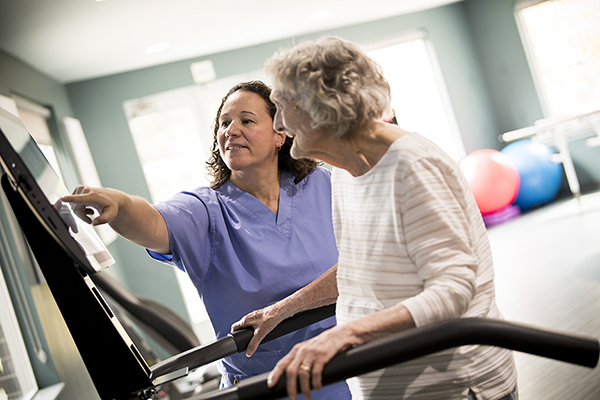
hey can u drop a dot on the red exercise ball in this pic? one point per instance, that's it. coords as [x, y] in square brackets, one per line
[492, 179]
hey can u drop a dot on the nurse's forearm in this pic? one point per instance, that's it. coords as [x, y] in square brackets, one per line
[142, 224]
[320, 292]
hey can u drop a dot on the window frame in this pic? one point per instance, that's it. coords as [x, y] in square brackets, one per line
[442, 89]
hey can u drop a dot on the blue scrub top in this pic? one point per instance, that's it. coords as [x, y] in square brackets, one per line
[241, 257]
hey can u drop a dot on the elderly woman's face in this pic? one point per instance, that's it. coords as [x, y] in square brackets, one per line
[295, 122]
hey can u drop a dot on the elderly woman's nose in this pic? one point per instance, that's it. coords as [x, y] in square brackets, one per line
[278, 125]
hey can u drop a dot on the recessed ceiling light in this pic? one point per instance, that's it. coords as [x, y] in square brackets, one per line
[156, 47]
[320, 15]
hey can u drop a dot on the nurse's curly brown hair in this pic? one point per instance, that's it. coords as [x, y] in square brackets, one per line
[220, 172]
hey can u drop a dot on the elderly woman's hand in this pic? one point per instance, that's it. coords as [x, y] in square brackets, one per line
[263, 321]
[304, 364]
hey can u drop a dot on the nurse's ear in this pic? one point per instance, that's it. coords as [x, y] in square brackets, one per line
[281, 136]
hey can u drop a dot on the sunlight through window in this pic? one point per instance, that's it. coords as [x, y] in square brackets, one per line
[563, 42]
[419, 96]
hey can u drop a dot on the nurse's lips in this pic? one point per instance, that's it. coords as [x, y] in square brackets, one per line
[235, 147]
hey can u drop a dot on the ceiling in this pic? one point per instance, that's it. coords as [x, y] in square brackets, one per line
[75, 40]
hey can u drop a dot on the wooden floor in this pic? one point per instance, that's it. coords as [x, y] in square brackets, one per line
[547, 265]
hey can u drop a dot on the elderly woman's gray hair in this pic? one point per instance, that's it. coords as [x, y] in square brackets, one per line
[334, 81]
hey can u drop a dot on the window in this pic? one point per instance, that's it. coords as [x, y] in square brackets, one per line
[170, 143]
[16, 376]
[34, 118]
[562, 40]
[419, 97]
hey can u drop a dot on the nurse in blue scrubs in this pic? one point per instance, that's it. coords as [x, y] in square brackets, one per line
[260, 232]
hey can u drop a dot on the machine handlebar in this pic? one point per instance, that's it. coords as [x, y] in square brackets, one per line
[429, 339]
[236, 342]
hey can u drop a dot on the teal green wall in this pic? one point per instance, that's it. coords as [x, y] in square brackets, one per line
[503, 62]
[481, 59]
[98, 104]
[18, 78]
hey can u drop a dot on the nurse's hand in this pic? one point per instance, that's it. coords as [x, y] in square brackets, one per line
[85, 201]
[303, 365]
[132, 217]
[263, 321]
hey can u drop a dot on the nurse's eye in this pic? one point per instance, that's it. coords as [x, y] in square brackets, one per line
[247, 121]
[224, 124]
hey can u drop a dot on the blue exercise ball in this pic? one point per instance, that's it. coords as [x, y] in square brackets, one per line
[541, 178]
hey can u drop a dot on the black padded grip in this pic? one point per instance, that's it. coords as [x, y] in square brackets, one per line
[236, 342]
[418, 342]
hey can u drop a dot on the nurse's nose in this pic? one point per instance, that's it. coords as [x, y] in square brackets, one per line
[233, 129]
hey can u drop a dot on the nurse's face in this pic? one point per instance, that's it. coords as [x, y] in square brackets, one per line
[296, 123]
[245, 135]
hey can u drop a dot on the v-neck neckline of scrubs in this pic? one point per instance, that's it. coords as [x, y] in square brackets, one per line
[281, 220]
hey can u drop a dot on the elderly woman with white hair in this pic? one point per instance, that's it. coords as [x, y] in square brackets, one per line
[413, 248]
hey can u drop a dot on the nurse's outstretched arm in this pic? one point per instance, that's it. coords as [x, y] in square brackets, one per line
[130, 216]
[320, 292]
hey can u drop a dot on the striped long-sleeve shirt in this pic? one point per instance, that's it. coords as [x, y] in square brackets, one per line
[409, 231]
